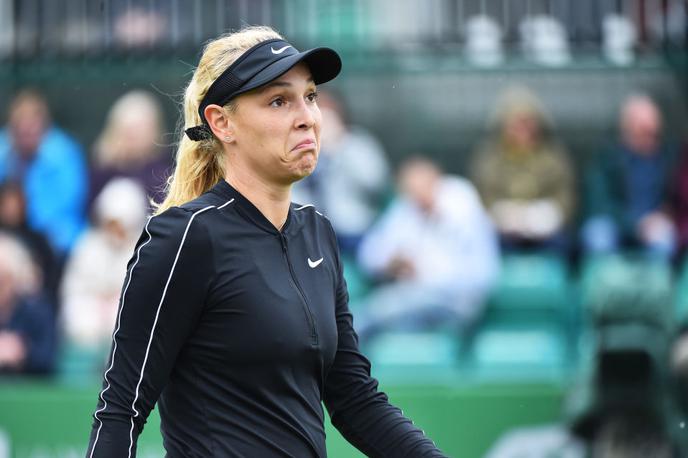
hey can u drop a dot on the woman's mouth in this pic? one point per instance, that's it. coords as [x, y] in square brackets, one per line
[306, 144]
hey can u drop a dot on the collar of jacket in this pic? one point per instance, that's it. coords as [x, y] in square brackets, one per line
[250, 211]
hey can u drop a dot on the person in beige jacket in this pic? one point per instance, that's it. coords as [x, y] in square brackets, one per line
[524, 176]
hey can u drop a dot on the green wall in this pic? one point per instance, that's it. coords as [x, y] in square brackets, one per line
[52, 420]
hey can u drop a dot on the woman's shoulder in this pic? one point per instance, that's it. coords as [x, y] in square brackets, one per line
[194, 218]
[308, 215]
[206, 201]
[308, 211]
[192, 209]
[181, 217]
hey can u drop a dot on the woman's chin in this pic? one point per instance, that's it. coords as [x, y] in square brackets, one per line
[306, 165]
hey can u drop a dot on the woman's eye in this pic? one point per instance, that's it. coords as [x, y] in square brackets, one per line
[278, 102]
[312, 96]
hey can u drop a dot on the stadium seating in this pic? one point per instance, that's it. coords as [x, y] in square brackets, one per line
[415, 348]
[78, 366]
[529, 324]
[527, 332]
[356, 281]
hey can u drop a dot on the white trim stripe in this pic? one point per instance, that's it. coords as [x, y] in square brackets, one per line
[155, 323]
[150, 340]
[225, 204]
[114, 346]
[308, 205]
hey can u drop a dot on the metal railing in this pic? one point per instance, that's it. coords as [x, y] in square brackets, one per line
[38, 28]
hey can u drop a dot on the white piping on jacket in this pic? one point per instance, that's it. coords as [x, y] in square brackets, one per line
[150, 340]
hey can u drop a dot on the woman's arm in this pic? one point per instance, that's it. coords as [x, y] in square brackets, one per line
[361, 413]
[162, 297]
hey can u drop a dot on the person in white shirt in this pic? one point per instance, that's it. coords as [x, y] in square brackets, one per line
[95, 272]
[436, 249]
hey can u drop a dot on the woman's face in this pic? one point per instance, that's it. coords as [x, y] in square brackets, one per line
[136, 134]
[276, 128]
[522, 131]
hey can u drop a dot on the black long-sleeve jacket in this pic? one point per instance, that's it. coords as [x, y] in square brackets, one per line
[239, 331]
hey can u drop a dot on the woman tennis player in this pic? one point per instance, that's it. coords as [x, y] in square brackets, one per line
[233, 315]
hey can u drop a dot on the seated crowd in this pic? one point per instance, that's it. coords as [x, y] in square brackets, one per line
[430, 245]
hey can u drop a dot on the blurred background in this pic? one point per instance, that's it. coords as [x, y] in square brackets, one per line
[508, 180]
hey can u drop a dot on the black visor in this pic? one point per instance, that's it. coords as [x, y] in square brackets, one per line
[258, 66]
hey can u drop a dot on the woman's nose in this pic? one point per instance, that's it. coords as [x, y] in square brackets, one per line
[306, 117]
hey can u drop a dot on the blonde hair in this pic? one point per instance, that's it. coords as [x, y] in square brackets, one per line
[200, 164]
[516, 101]
[134, 108]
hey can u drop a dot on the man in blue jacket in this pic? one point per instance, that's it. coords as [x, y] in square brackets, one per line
[51, 168]
[627, 186]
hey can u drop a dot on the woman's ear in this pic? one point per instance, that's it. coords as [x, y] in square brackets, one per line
[219, 122]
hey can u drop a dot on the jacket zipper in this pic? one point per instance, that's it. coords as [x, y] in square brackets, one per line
[295, 284]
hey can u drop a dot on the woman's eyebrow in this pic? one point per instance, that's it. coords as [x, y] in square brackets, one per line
[278, 83]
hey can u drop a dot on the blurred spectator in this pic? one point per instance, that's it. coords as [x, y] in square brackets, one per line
[619, 404]
[524, 177]
[437, 250]
[637, 434]
[680, 200]
[51, 168]
[351, 177]
[13, 221]
[139, 27]
[95, 272]
[541, 441]
[27, 328]
[129, 146]
[633, 434]
[627, 186]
